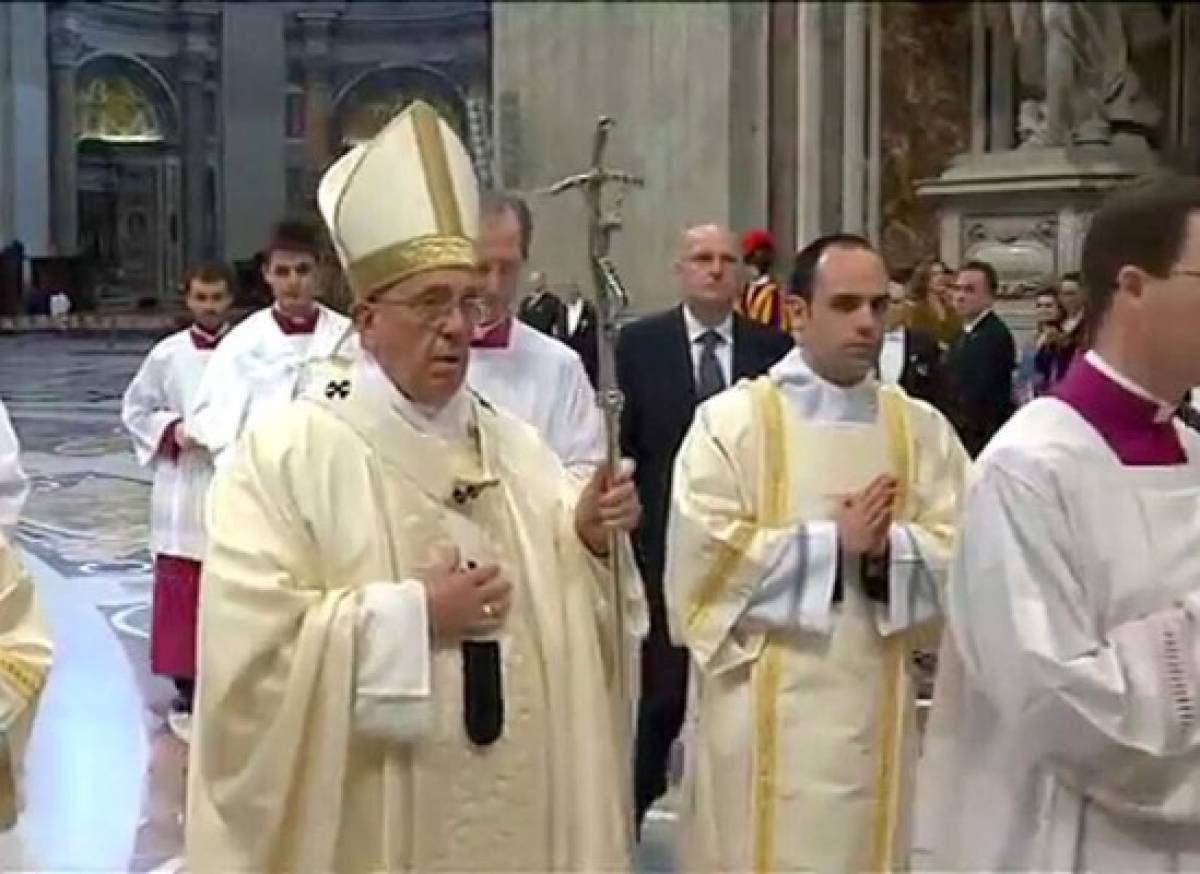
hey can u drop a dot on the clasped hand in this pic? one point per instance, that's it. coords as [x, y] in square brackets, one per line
[865, 518]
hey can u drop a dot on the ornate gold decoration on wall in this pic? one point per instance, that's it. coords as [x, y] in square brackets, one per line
[115, 109]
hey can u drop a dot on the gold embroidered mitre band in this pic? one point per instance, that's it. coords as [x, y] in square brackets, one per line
[404, 203]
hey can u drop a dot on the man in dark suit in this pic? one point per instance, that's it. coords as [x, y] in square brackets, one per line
[909, 357]
[666, 365]
[982, 359]
[542, 310]
[579, 329]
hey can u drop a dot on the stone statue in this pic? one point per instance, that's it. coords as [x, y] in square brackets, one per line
[1078, 56]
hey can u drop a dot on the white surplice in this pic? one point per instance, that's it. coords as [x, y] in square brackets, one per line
[256, 369]
[161, 394]
[330, 733]
[542, 381]
[805, 735]
[14, 484]
[1064, 734]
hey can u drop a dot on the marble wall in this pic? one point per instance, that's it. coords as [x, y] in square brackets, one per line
[926, 85]
[687, 85]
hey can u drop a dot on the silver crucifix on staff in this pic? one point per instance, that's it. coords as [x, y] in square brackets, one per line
[611, 301]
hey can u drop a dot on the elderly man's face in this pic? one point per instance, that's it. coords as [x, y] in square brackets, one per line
[420, 329]
[707, 268]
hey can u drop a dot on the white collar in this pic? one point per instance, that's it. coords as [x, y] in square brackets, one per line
[1072, 323]
[1165, 410]
[696, 328]
[974, 323]
[450, 422]
[895, 335]
[819, 400]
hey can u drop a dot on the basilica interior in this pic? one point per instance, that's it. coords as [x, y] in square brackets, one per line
[137, 138]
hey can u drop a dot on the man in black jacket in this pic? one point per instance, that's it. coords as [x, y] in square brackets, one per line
[666, 365]
[579, 329]
[982, 359]
[542, 310]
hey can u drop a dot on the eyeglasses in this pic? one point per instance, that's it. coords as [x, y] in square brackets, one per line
[432, 308]
[1194, 274]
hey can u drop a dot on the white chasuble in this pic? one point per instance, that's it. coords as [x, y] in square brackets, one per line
[805, 733]
[25, 656]
[331, 733]
[14, 484]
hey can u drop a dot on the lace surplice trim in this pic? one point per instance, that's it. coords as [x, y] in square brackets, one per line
[1179, 673]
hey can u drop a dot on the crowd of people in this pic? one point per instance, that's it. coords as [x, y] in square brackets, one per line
[391, 553]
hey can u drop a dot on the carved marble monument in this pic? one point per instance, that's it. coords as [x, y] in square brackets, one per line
[1080, 123]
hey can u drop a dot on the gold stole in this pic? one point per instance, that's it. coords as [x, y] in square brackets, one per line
[895, 713]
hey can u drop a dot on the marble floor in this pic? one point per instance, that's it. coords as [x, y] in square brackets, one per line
[105, 775]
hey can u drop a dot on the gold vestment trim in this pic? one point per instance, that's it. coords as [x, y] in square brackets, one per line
[893, 705]
[23, 679]
[432, 149]
[774, 482]
[399, 261]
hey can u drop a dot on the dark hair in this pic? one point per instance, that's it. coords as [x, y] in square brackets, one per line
[293, 235]
[1142, 226]
[988, 271]
[500, 202]
[1071, 276]
[207, 271]
[804, 269]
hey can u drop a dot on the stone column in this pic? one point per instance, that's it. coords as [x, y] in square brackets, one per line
[854, 113]
[253, 81]
[1002, 110]
[808, 92]
[65, 49]
[479, 134]
[875, 125]
[6, 127]
[318, 97]
[979, 115]
[194, 140]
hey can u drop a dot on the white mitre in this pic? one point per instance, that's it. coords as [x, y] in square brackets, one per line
[403, 203]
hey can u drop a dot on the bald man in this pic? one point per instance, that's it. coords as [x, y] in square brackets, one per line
[667, 364]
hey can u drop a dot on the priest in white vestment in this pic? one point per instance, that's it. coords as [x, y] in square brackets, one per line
[405, 655]
[812, 516]
[534, 376]
[155, 411]
[25, 657]
[263, 361]
[14, 484]
[1065, 732]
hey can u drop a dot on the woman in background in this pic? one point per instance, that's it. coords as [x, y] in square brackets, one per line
[930, 310]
